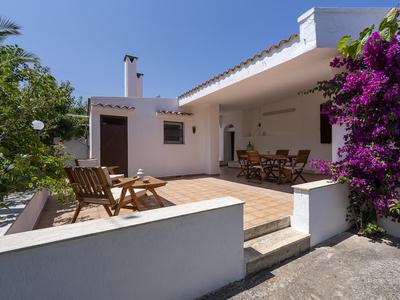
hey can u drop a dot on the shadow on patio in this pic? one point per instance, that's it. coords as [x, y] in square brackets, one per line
[264, 202]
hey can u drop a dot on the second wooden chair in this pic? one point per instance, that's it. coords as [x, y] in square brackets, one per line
[259, 169]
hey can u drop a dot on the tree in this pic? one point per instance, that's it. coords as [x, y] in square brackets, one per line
[27, 94]
[10, 28]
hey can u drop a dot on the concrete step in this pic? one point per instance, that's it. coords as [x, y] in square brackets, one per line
[267, 227]
[269, 249]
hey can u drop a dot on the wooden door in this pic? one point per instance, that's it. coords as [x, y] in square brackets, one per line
[114, 143]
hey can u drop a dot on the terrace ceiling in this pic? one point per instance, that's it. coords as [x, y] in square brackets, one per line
[278, 83]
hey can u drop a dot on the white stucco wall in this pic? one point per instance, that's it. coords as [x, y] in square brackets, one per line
[234, 119]
[211, 114]
[146, 149]
[338, 132]
[76, 148]
[320, 209]
[325, 26]
[28, 217]
[179, 252]
[295, 130]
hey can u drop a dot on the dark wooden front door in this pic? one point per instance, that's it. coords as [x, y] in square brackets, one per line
[114, 143]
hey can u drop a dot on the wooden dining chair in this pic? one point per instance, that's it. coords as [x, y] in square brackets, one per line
[291, 169]
[244, 165]
[94, 186]
[259, 169]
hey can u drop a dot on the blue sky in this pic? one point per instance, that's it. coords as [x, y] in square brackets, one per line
[180, 43]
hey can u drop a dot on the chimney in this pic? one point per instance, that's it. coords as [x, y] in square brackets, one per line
[133, 80]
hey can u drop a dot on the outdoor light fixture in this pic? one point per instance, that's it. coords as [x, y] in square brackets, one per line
[37, 125]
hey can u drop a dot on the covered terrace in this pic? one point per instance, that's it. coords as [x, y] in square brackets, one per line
[265, 202]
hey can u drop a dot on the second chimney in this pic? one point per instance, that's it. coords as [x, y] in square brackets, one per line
[133, 80]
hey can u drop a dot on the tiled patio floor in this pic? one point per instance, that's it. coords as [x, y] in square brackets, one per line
[264, 202]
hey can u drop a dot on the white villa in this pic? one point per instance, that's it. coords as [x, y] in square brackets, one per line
[255, 101]
[188, 250]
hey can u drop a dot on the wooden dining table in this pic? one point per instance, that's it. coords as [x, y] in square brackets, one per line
[149, 186]
[280, 159]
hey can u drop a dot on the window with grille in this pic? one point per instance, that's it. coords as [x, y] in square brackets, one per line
[173, 132]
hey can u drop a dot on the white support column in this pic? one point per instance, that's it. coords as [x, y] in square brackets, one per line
[212, 139]
[338, 133]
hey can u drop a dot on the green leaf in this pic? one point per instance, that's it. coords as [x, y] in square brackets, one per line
[39, 174]
[354, 48]
[343, 42]
[387, 30]
[392, 15]
[5, 151]
[345, 51]
[8, 167]
[366, 34]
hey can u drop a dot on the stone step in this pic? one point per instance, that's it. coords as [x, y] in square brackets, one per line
[267, 227]
[264, 251]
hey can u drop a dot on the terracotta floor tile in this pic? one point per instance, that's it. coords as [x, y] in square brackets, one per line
[264, 202]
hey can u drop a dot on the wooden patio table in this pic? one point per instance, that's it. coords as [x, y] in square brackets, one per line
[149, 186]
[279, 159]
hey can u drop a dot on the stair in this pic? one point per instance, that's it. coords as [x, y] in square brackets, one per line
[272, 242]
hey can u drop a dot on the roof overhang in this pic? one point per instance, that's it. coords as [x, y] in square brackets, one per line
[285, 69]
[275, 84]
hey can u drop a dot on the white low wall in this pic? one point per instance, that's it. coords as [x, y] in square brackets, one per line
[390, 227]
[320, 210]
[28, 218]
[178, 252]
[24, 211]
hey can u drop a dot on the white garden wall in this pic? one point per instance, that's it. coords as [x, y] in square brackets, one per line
[179, 252]
[29, 216]
[76, 148]
[146, 149]
[23, 212]
[320, 210]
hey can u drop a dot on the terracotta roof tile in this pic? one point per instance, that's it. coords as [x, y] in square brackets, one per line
[294, 35]
[180, 113]
[113, 106]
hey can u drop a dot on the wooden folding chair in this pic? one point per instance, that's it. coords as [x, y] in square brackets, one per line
[244, 165]
[295, 168]
[94, 162]
[94, 186]
[257, 166]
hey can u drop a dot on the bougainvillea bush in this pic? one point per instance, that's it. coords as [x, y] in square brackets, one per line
[365, 98]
